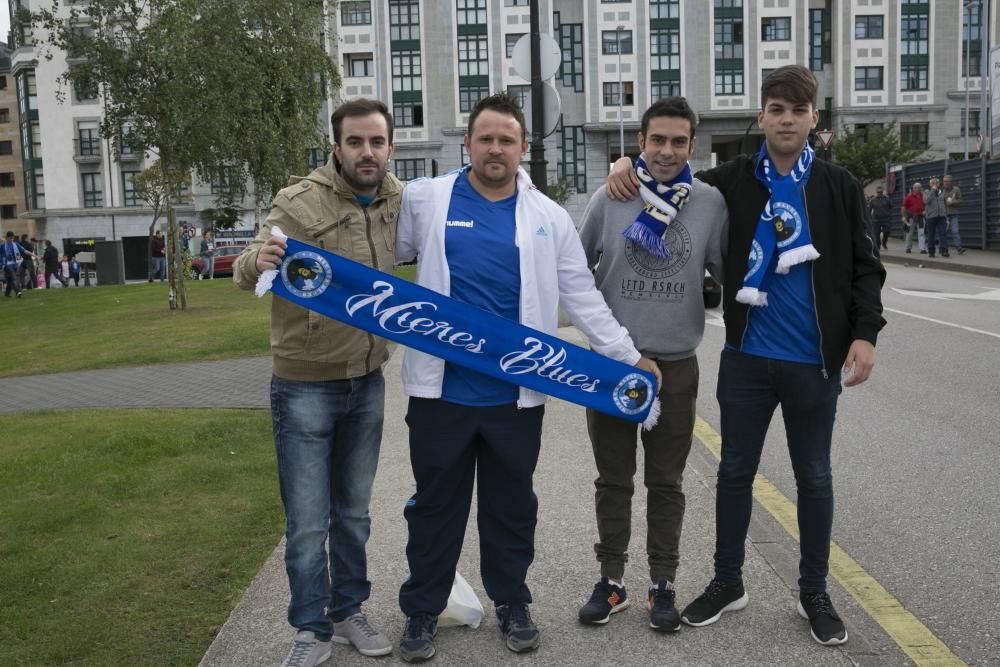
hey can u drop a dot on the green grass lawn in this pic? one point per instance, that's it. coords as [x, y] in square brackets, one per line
[127, 537]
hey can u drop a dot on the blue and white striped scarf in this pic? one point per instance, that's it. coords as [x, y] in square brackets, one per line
[663, 202]
[783, 226]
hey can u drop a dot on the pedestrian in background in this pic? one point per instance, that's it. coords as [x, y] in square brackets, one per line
[880, 210]
[913, 218]
[50, 259]
[27, 272]
[158, 252]
[207, 253]
[74, 270]
[13, 253]
[935, 219]
[952, 200]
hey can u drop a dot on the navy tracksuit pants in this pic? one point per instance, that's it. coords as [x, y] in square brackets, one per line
[449, 445]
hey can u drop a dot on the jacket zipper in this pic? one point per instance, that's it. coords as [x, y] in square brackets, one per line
[371, 248]
[812, 283]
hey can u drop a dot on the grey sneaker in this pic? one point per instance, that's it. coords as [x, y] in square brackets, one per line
[307, 651]
[358, 631]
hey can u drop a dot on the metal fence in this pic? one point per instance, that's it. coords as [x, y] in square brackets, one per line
[979, 180]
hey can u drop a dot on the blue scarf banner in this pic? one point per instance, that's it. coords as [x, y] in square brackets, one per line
[430, 322]
[663, 202]
[782, 228]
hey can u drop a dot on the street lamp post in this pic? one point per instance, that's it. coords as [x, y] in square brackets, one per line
[969, 5]
[621, 94]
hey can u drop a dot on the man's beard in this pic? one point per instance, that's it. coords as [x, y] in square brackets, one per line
[356, 179]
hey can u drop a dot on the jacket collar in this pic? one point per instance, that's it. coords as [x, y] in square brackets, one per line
[328, 176]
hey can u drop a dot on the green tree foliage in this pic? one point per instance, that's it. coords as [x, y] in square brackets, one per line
[199, 84]
[866, 153]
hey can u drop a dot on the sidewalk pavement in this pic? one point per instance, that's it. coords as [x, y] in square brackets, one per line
[977, 262]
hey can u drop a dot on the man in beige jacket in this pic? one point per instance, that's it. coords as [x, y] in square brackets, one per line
[327, 390]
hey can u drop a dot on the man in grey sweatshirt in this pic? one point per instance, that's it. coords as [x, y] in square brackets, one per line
[659, 300]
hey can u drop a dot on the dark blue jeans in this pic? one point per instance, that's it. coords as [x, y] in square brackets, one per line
[749, 390]
[327, 437]
[451, 446]
[937, 235]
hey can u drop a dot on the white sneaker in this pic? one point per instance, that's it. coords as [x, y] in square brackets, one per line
[358, 631]
[307, 651]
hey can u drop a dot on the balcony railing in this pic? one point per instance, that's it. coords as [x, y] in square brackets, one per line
[87, 149]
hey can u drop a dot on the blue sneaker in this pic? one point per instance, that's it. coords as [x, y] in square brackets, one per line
[663, 614]
[519, 631]
[606, 599]
[417, 643]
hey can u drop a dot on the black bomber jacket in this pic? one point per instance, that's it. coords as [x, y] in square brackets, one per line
[848, 276]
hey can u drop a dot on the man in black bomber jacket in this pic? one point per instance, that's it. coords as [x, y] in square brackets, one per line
[816, 320]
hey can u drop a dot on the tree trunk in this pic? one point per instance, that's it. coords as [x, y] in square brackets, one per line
[172, 259]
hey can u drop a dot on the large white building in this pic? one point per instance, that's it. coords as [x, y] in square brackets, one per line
[430, 60]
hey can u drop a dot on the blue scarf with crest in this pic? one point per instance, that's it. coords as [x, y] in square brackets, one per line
[782, 228]
[663, 202]
[430, 322]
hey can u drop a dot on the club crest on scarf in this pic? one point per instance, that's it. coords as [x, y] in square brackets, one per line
[633, 394]
[781, 228]
[306, 274]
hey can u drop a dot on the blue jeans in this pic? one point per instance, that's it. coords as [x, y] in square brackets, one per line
[937, 235]
[749, 390]
[327, 437]
[208, 266]
[159, 268]
[956, 236]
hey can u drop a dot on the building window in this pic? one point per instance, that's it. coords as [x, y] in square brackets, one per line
[7, 180]
[473, 56]
[471, 12]
[92, 194]
[469, 95]
[8, 211]
[666, 88]
[573, 156]
[511, 39]
[776, 29]
[3, 82]
[664, 9]
[972, 40]
[571, 44]
[406, 71]
[819, 38]
[404, 20]
[521, 94]
[913, 135]
[914, 60]
[4, 115]
[226, 181]
[868, 26]
[864, 131]
[407, 114]
[611, 93]
[355, 13]
[612, 39]
[317, 157]
[665, 49]
[130, 196]
[85, 91]
[515, 3]
[6, 147]
[359, 64]
[407, 170]
[88, 139]
[868, 78]
[728, 41]
[973, 122]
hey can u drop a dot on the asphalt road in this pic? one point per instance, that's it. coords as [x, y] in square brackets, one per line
[915, 458]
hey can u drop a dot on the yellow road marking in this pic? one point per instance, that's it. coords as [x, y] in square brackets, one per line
[919, 643]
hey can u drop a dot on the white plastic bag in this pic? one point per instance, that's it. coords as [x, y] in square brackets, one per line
[464, 607]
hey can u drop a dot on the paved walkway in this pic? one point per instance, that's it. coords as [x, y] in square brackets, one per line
[767, 632]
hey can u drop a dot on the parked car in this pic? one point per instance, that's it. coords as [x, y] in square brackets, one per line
[711, 291]
[224, 258]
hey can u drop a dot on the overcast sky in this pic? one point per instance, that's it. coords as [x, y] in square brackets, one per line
[4, 21]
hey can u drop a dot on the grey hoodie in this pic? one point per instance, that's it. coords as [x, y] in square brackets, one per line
[658, 301]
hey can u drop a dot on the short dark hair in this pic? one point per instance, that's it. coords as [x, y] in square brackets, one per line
[794, 83]
[673, 107]
[48, 243]
[359, 107]
[10, 234]
[501, 102]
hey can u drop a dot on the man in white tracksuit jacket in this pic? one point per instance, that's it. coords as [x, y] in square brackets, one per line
[485, 236]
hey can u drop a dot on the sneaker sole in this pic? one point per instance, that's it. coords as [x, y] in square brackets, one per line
[523, 648]
[661, 628]
[833, 641]
[735, 605]
[417, 658]
[370, 652]
[614, 610]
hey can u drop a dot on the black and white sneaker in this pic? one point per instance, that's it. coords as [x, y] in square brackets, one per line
[519, 632]
[417, 643]
[663, 614]
[606, 599]
[717, 599]
[826, 626]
